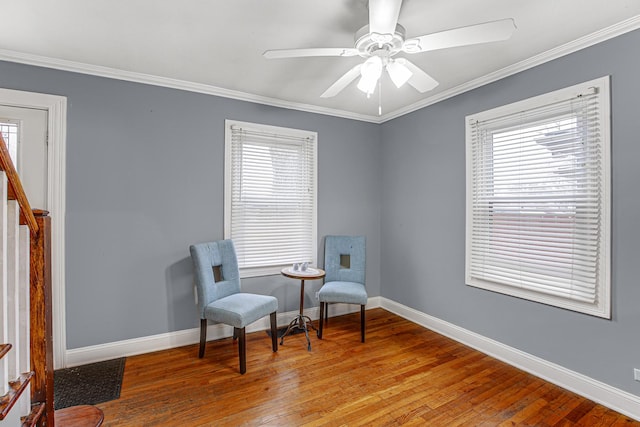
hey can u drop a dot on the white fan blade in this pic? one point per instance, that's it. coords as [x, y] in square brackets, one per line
[299, 53]
[474, 34]
[420, 80]
[342, 82]
[383, 16]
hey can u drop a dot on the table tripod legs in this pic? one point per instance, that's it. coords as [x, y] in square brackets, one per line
[299, 322]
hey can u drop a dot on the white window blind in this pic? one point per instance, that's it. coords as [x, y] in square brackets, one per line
[270, 196]
[538, 199]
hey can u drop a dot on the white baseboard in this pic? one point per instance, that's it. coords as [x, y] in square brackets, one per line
[112, 350]
[611, 397]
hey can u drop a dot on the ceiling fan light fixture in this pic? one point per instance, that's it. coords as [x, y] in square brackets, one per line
[399, 73]
[383, 37]
[371, 71]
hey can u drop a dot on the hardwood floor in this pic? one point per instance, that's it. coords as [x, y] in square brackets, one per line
[403, 375]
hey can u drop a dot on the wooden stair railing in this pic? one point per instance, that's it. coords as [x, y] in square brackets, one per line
[40, 348]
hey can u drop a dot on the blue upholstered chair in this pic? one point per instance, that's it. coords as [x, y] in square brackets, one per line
[344, 264]
[219, 297]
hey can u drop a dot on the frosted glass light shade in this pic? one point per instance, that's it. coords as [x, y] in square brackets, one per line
[370, 71]
[399, 73]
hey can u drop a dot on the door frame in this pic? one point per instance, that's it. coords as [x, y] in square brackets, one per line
[56, 106]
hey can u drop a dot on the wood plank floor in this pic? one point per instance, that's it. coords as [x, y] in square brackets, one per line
[403, 375]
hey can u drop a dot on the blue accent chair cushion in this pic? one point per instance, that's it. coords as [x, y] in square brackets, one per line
[239, 310]
[345, 292]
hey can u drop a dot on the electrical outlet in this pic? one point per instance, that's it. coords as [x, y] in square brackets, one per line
[636, 374]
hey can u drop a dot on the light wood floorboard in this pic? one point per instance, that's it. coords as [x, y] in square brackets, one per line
[403, 375]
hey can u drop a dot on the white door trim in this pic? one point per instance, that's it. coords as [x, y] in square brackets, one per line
[56, 158]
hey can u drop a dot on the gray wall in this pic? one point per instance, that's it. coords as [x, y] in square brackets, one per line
[423, 221]
[145, 180]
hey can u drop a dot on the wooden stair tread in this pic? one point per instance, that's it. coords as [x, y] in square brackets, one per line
[4, 349]
[32, 419]
[79, 416]
[15, 391]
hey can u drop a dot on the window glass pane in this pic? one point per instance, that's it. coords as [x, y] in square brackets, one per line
[9, 131]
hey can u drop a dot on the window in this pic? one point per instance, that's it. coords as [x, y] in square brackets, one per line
[270, 196]
[9, 130]
[538, 199]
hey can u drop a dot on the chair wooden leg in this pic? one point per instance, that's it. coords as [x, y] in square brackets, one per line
[326, 313]
[321, 322]
[203, 337]
[362, 322]
[274, 332]
[242, 348]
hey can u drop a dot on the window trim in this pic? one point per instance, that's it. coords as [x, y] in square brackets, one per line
[602, 306]
[277, 130]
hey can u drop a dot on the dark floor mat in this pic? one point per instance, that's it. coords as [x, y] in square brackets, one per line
[88, 384]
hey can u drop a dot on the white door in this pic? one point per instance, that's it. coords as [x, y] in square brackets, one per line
[25, 131]
[53, 181]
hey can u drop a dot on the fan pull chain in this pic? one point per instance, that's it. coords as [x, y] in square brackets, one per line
[380, 97]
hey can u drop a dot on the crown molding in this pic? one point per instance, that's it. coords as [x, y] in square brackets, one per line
[135, 77]
[113, 73]
[555, 53]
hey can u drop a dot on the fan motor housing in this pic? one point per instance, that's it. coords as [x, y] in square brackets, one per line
[367, 43]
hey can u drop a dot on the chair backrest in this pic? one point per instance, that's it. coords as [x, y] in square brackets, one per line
[352, 251]
[207, 257]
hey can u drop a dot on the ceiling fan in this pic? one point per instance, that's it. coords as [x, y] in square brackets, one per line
[381, 40]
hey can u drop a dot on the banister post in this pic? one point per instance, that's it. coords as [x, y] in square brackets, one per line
[41, 317]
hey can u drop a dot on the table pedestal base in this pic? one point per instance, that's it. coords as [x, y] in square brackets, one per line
[299, 322]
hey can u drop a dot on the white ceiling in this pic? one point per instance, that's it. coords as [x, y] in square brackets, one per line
[216, 46]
